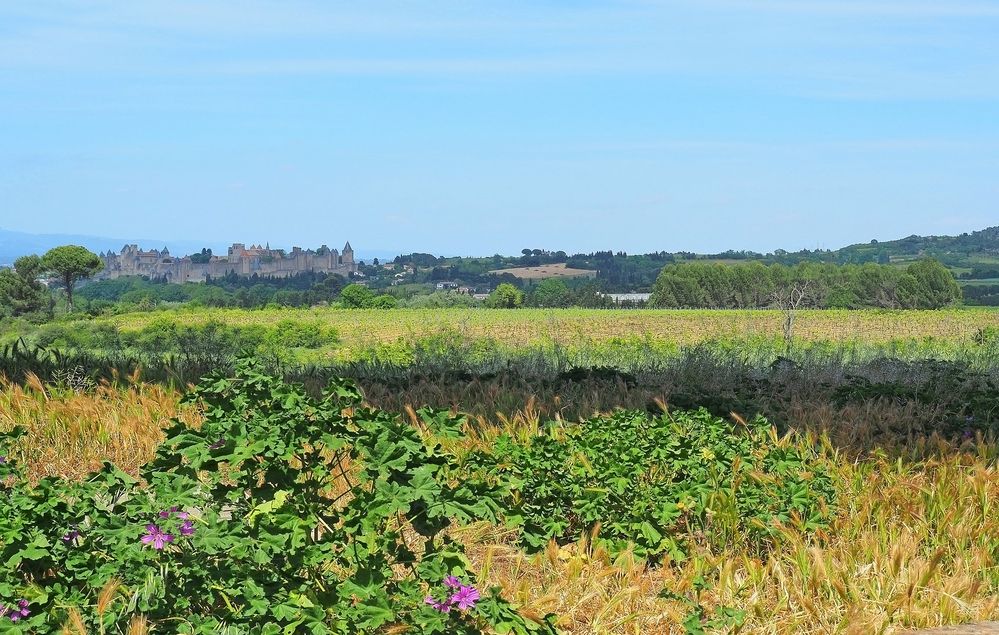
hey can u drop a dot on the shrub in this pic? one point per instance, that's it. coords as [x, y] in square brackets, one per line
[280, 514]
[356, 296]
[505, 296]
[648, 481]
[383, 301]
[311, 335]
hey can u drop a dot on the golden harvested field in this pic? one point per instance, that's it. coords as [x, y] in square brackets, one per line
[541, 272]
[361, 327]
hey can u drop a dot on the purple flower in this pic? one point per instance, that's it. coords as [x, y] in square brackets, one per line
[166, 513]
[218, 444]
[465, 598]
[187, 529]
[443, 607]
[71, 535]
[155, 537]
[3, 459]
[15, 614]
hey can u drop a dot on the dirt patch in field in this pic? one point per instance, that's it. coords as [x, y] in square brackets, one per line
[547, 271]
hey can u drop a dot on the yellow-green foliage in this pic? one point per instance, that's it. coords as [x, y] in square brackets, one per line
[521, 326]
[368, 334]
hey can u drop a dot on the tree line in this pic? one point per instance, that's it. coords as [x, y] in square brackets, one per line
[924, 284]
[25, 290]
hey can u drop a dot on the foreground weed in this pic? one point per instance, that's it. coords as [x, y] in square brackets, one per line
[73, 432]
[233, 528]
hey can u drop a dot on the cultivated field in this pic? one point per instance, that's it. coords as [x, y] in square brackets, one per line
[559, 270]
[362, 327]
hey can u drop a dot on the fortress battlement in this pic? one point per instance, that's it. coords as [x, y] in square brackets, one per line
[240, 260]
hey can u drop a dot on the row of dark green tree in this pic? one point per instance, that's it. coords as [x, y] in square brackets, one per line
[924, 284]
[301, 290]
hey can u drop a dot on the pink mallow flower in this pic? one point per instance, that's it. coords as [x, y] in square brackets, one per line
[155, 537]
[465, 598]
[443, 607]
[15, 614]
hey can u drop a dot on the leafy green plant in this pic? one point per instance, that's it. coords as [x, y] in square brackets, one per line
[282, 513]
[701, 620]
[650, 481]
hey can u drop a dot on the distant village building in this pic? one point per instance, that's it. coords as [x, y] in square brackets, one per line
[628, 298]
[241, 260]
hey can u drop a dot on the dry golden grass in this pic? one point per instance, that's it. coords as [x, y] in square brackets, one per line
[559, 270]
[70, 433]
[915, 544]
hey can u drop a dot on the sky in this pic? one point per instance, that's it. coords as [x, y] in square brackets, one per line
[473, 128]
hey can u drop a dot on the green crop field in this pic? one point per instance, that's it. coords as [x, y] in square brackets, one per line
[488, 339]
[362, 327]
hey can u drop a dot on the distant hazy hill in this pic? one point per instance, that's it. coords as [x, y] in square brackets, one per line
[970, 256]
[979, 245]
[13, 244]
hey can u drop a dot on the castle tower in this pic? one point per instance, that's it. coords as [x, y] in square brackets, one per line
[348, 254]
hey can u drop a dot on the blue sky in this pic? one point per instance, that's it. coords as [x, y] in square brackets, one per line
[481, 127]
